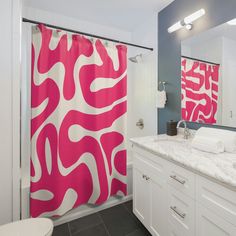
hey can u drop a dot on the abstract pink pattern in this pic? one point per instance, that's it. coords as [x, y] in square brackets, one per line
[199, 91]
[79, 104]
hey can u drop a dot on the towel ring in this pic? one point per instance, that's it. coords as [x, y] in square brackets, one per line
[163, 83]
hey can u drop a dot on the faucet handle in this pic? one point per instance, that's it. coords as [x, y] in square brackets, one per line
[187, 133]
[180, 122]
[140, 123]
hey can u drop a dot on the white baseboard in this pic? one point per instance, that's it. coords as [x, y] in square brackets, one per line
[90, 209]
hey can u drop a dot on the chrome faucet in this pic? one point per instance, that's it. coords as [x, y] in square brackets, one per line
[186, 130]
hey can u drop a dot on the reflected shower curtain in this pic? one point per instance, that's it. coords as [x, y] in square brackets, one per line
[199, 91]
[78, 107]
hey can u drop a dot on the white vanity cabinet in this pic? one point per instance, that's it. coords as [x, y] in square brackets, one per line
[150, 195]
[173, 201]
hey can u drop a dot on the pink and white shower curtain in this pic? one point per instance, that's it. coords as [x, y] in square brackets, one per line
[78, 107]
[199, 91]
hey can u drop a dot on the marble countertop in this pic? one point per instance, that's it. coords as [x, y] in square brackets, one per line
[221, 167]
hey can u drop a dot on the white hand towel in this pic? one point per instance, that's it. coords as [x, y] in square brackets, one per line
[227, 137]
[207, 144]
[161, 99]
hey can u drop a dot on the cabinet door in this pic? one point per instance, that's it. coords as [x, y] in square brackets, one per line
[140, 196]
[209, 223]
[158, 213]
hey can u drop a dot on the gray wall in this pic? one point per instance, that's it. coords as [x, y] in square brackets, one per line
[169, 47]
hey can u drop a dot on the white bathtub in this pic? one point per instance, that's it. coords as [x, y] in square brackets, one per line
[80, 211]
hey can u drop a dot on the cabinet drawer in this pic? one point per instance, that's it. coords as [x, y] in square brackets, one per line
[181, 213]
[149, 168]
[217, 198]
[208, 223]
[182, 180]
[173, 230]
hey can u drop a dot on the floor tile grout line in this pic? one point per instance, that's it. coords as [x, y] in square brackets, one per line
[134, 217]
[108, 233]
[131, 213]
[132, 232]
[86, 228]
[126, 208]
[104, 224]
[68, 225]
[100, 217]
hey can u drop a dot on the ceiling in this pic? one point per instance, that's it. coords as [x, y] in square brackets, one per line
[122, 14]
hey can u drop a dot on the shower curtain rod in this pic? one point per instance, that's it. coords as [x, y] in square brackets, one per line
[196, 59]
[87, 34]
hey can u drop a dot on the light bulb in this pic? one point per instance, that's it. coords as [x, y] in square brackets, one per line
[232, 22]
[175, 27]
[189, 19]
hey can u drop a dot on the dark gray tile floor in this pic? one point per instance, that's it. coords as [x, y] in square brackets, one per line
[115, 221]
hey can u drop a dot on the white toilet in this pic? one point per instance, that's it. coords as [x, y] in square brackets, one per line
[28, 227]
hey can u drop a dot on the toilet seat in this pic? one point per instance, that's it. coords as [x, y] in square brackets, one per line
[28, 227]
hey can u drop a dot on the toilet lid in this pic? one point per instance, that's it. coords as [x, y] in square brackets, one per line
[28, 227]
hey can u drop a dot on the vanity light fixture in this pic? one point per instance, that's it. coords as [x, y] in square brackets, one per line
[187, 22]
[189, 26]
[232, 22]
[178, 25]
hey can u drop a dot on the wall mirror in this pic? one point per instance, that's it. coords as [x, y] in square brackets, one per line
[208, 76]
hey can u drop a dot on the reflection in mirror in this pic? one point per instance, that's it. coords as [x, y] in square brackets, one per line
[208, 76]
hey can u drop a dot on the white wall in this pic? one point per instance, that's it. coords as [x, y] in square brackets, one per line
[143, 81]
[229, 82]
[10, 20]
[6, 111]
[210, 50]
[75, 24]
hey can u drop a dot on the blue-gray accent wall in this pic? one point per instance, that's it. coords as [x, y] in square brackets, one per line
[169, 47]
